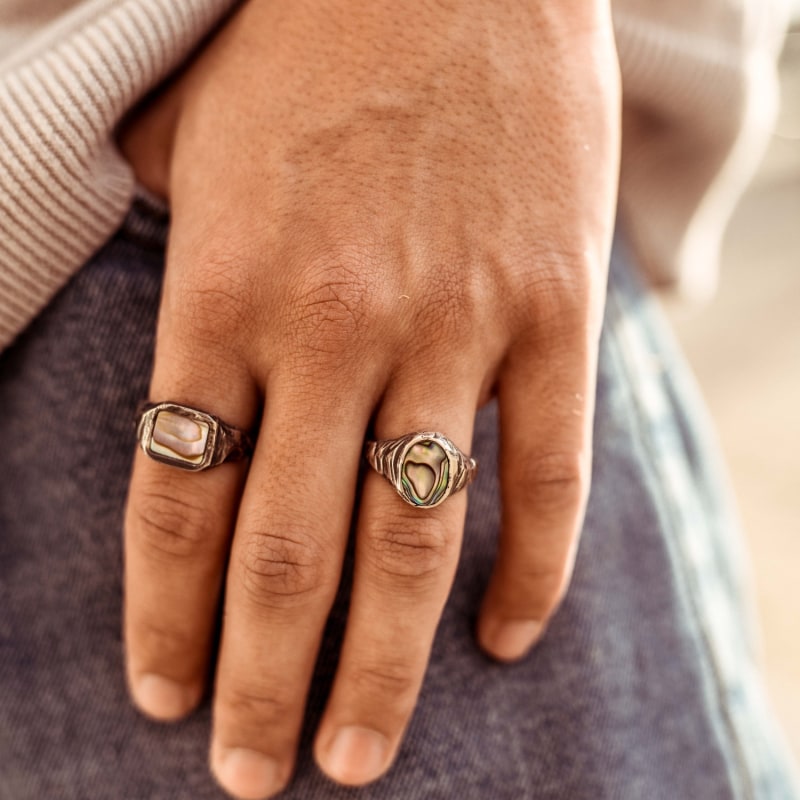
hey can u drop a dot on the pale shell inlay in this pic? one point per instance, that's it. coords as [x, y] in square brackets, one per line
[426, 470]
[178, 436]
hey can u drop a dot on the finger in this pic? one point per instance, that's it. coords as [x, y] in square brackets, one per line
[405, 562]
[284, 572]
[546, 405]
[177, 529]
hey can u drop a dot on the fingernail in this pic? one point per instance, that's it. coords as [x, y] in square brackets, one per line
[247, 774]
[510, 641]
[163, 699]
[357, 755]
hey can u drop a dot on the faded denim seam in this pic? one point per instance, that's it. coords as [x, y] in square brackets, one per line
[625, 353]
[733, 681]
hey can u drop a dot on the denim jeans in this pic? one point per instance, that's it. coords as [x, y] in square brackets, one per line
[645, 685]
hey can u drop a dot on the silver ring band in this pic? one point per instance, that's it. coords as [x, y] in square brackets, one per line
[425, 468]
[188, 438]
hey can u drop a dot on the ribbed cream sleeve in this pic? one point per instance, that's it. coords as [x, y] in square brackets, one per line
[699, 96]
[64, 188]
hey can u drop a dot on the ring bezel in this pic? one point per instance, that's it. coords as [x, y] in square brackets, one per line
[147, 427]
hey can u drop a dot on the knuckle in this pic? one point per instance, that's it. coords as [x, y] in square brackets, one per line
[388, 679]
[560, 287]
[460, 294]
[442, 315]
[213, 297]
[411, 549]
[551, 483]
[270, 709]
[155, 641]
[279, 570]
[171, 527]
[334, 307]
[551, 581]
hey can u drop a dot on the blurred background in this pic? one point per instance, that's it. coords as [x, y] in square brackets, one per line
[745, 350]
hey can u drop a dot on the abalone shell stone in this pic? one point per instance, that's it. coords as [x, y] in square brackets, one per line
[426, 470]
[179, 437]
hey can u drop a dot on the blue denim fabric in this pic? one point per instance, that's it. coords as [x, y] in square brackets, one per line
[645, 685]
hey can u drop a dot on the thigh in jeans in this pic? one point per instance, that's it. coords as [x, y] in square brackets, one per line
[644, 686]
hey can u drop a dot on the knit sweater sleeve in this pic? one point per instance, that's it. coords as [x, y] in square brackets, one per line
[699, 95]
[64, 188]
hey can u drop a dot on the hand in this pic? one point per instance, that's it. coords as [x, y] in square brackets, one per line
[383, 213]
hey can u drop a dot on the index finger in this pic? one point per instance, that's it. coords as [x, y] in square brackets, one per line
[177, 529]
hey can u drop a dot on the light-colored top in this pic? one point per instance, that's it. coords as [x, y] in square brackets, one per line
[699, 94]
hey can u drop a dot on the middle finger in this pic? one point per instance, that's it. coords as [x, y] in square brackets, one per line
[284, 571]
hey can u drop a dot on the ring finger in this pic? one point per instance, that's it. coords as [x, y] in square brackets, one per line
[405, 564]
